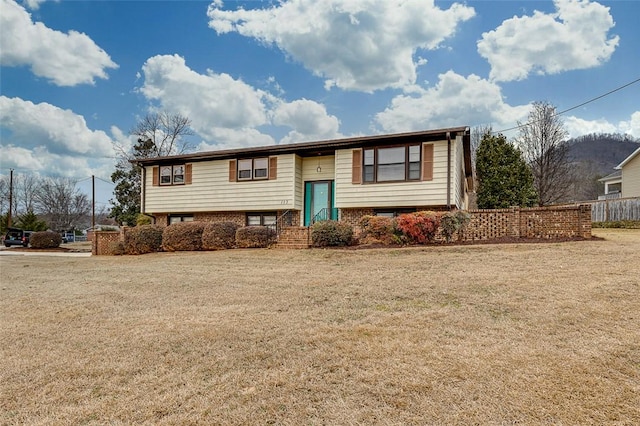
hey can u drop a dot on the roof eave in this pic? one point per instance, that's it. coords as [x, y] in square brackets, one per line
[302, 147]
[628, 159]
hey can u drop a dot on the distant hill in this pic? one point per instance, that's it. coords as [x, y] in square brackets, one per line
[595, 156]
[602, 151]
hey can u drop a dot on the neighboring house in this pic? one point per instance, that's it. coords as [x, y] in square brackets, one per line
[630, 169]
[612, 185]
[342, 179]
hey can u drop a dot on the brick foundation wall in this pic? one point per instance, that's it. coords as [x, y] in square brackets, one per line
[353, 216]
[237, 217]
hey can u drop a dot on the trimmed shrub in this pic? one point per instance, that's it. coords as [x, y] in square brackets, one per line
[143, 219]
[115, 248]
[219, 235]
[331, 233]
[254, 237]
[377, 230]
[45, 239]
[143, 239]
[418, 227]
[452, 223]
[183, 236]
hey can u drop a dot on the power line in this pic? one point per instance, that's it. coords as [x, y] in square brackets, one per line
[574, 107]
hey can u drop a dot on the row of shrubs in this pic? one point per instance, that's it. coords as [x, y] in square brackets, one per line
[190, 236]
[411, 228]
[422, 227]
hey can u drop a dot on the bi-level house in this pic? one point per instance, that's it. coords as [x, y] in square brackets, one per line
[341, 179]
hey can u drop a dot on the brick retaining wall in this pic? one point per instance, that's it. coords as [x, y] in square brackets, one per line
[102, 240]
[536, 222]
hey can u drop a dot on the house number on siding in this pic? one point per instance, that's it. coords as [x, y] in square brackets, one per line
[283, 202]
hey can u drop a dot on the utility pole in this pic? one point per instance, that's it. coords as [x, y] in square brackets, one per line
[10, 197]
[93, 203]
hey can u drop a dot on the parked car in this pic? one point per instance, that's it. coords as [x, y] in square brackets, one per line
[17, 237]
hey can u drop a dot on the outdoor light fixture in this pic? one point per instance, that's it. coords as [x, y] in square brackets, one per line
[319, 169]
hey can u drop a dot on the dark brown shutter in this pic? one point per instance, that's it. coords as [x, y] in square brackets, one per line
[188, 172]
[356, 166]
[427, 161]
[232, 170]
[156, 176]
[273, 168]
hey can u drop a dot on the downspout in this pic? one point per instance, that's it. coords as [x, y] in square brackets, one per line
[142, 195]
[448, 171]
[142, 189]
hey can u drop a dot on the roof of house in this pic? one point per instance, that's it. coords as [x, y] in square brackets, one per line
[629, 158]
[319, 147]
[616, 175]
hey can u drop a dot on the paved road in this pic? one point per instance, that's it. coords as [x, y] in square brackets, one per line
[8, 252]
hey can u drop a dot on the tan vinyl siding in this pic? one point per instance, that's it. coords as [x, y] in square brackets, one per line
[310, 168]
[396, 194]
[631, 178]
[212, 191]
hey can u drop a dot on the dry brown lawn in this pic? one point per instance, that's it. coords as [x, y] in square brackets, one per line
[488, 334]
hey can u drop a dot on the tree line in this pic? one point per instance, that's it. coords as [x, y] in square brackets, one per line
[41, 203]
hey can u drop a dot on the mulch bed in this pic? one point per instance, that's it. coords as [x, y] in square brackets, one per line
[505, 240]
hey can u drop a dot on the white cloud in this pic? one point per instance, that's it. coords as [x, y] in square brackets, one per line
[33, 4]
[67, 59]
[228, 112]
[309, 119]
[575, 37]
[453, 101]
[631, 127]
[45, 138]
[357, 45]
[579, 127]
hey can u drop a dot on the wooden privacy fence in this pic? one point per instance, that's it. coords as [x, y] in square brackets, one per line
[615, 210]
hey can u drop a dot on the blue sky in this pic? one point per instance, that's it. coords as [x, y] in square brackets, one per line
[77, 75]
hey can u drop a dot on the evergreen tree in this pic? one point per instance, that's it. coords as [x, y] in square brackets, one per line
[127, 177]
[504, 178]
[30, 221]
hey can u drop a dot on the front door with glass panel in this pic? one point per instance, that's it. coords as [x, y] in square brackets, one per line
[318, 201]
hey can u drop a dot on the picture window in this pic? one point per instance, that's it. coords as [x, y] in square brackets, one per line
[392, 164]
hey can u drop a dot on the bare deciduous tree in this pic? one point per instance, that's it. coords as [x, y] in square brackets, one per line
[166, 131]
[24, 189]
[158, 134]
[542, 140]
[61, 203]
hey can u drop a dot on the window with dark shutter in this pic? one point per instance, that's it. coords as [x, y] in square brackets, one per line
[273, 168]
[427, 161]
[356, 166]
[232, 170]
[188, 174]
[156, 176]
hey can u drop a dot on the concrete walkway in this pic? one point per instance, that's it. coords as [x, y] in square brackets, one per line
[9, 252]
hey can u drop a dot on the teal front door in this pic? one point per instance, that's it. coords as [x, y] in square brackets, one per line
[318, 201]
